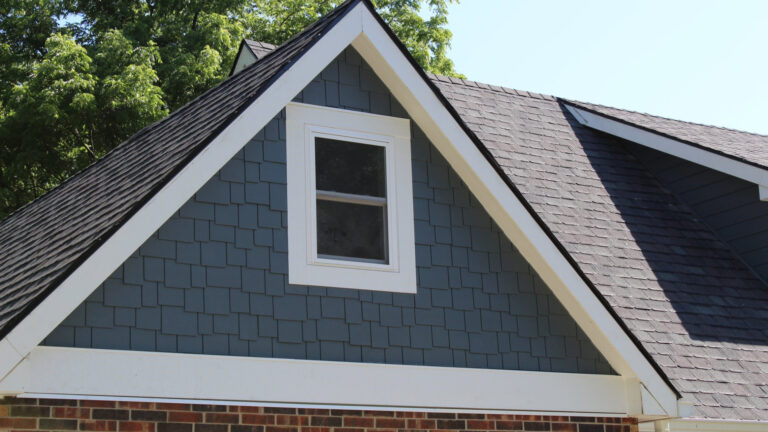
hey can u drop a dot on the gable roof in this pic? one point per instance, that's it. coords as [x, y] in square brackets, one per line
[697, 309]
[47, 239]
[259, 49]
[623, 248]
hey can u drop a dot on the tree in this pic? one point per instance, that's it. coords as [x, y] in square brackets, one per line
[77, 77]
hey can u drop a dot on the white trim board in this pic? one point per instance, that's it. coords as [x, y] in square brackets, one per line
[360, 28]
[111, 373]
[709, 159]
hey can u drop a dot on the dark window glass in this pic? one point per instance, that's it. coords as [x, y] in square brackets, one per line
[352, 168]
[351, 230]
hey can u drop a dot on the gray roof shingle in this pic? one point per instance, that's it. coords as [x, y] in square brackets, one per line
[744, 146]
[259, 49]
[697, 309]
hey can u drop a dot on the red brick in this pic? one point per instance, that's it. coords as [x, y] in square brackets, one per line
[326, 421]
[421, 424]
[30, 411]
[281, 429]
[97, 404]
[209, 408]
[185, 417]
[528, 417]
[274, 410]
[109, 414]
[173, 406]
[348, 430]
[315, 429]
[582, 419]
[251, 409]
[258, 419]
[98, 425]
[501, 417]
[509, 425]
[4, 410]
[132, 426]
[18, 423]
[358, 422]
[245, 428]
[69, 412]
[136, 405]
[585, 427]
[143, 415]
[174, 427]
[291, 420]
[57, 402]
[480, 424]
[451, 424]
[313, 411]
[211, 428]
[57, 424]
[379, 413]
[471, 416]
[222, 418]
[390, 423]
[564, 427]
[441, 415]
[341, 412]
[536, 426]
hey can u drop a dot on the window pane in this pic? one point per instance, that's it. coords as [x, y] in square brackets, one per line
[347, 167]
[351, 230]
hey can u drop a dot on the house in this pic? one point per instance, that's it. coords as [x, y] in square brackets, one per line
[332, 239]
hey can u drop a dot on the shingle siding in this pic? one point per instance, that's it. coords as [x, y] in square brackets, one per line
[728, 205]
[213, 279]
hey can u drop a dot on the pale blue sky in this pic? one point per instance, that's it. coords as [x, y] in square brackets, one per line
[702, 61]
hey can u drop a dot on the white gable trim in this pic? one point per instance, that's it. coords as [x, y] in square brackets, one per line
[133, 374]
[709, 159]
[360, 28]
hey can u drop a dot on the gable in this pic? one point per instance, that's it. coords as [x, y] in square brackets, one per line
[463, 151]
[213, 279]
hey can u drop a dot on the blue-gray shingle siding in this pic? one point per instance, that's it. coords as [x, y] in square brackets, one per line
[213, 279]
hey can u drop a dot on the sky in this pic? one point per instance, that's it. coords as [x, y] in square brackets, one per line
[702, 61]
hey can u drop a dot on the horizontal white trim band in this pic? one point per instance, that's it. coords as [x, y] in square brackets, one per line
[112, 374]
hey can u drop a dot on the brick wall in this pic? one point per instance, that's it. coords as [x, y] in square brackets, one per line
[86, 415]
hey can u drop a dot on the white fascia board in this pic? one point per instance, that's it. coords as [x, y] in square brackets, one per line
[706, 425]
[673, 147]
[113, 252]
[79, 372]
[508, 212]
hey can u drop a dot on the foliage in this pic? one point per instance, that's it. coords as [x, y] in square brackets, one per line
[77, 77]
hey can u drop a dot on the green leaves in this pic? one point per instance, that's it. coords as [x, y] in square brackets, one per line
[79, 77]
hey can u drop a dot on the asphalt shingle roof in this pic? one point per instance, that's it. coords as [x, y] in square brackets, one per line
[697, 309]
[259, 49]
[45, 240]
[699, 312]
[747, 147]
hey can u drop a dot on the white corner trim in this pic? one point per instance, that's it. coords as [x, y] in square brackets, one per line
[709, 159]
[705, 425]
[305, 122]
[113, 373]
[94, 270]
[507, 211]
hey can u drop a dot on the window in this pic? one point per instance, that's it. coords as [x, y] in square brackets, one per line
[350, 200]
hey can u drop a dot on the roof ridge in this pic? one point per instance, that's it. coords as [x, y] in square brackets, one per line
[573, 101]
[491, 87]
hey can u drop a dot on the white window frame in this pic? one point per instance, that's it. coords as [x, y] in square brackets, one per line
[304, 123]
